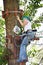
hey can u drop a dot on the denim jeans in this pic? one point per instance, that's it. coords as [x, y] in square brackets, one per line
[26, 40]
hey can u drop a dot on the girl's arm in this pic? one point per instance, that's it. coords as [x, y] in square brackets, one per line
[22, 23]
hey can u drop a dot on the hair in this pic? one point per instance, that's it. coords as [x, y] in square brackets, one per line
[21, 10]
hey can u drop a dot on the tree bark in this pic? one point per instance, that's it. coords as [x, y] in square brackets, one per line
[10, 19]
[10, 22]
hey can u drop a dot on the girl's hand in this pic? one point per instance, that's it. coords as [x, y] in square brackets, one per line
[17, 17]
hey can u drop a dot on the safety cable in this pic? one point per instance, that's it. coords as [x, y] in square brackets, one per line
[7, 12]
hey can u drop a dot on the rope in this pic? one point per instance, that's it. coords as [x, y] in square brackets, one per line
[7, 12]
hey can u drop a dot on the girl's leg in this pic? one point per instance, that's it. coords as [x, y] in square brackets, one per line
[23, 55]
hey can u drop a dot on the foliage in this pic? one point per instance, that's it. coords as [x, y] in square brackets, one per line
[36, 23]
[41, 18]
[2, 34]
[2, 42]
[32, 51]
[2, 58]
[31, 7]
[34, 64]
[35, 54]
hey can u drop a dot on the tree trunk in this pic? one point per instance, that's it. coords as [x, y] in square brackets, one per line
[10, 19]
[10, 23]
